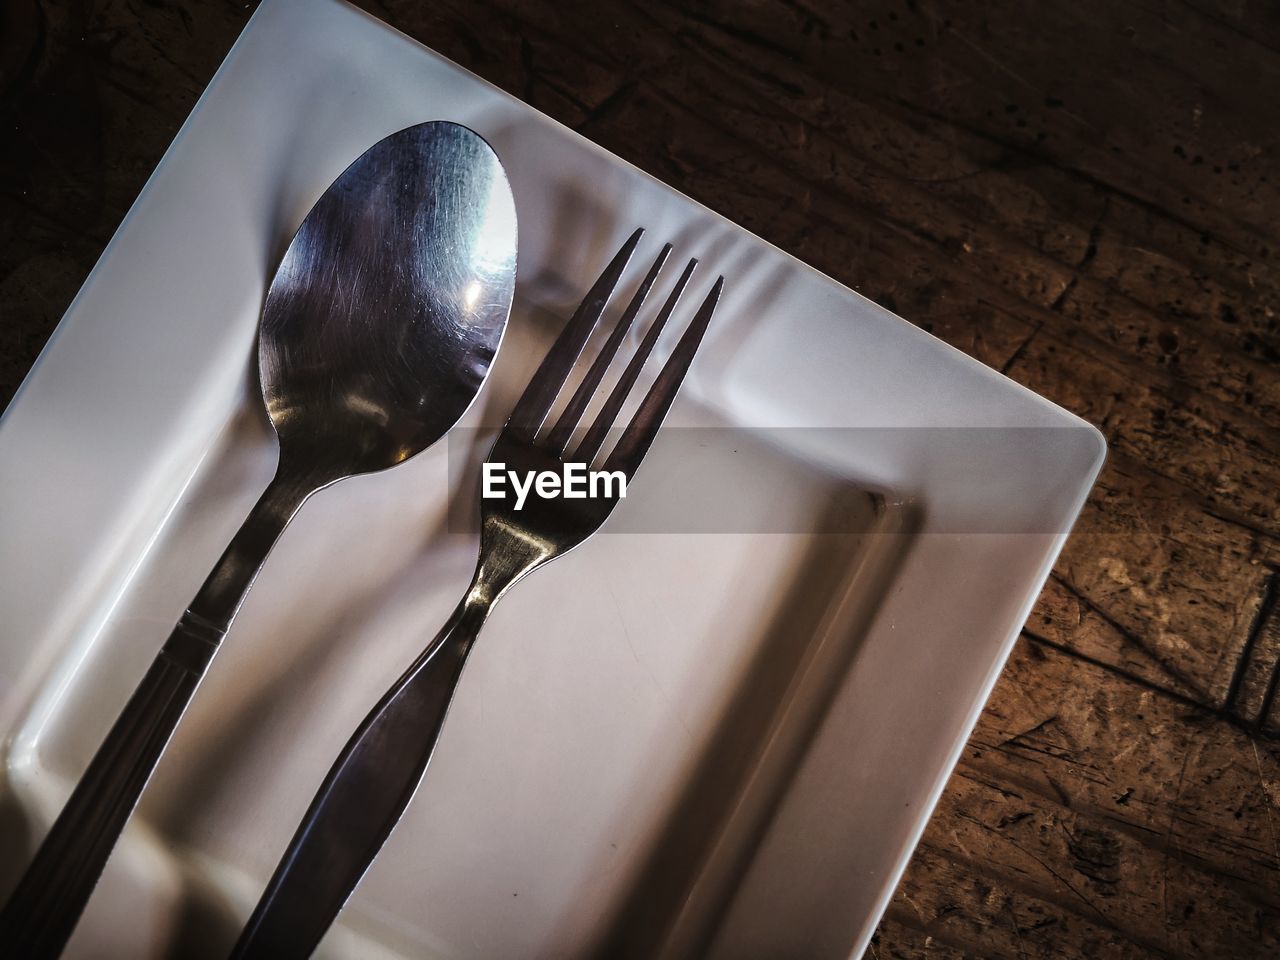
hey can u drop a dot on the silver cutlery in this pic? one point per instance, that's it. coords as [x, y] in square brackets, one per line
[368, 788]
[377, 333]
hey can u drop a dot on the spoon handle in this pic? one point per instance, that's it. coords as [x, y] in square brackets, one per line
[361, 799]
[44, 908]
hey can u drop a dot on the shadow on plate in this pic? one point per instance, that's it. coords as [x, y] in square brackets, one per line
[714, 828]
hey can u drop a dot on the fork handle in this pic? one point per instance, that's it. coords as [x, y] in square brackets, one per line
[361, 799]
[43, 910]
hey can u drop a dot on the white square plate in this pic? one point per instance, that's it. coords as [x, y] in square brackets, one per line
[676, 744]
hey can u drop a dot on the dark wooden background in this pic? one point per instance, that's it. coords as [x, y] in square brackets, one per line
[1080, 194]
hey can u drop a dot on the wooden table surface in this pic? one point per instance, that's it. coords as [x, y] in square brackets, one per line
[1082, 195]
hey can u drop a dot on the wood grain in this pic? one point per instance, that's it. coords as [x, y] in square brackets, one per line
[1081, 195]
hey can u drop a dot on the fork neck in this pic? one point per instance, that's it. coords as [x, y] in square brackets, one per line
[507, 555]
[504, 560]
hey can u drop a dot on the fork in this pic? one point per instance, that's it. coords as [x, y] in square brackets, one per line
[368, 788]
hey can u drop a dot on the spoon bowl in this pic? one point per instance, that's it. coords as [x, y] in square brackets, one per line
[391, 301]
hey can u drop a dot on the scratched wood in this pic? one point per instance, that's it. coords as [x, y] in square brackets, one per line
[1081, 195]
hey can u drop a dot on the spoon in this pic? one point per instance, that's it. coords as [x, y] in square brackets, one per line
[378, 331]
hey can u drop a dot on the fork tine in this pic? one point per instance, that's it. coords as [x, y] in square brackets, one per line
[592, 442]
[635, 440]
[534, 404]
[558, 439]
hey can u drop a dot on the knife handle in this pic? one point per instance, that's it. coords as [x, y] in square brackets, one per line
[361, 799]
[44, 908]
